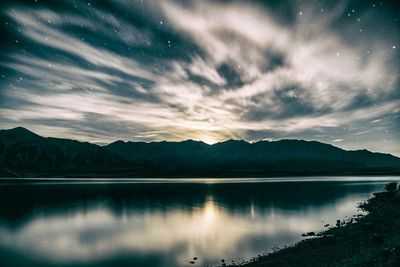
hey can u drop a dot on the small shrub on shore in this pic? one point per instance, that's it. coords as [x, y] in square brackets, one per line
[390, 187]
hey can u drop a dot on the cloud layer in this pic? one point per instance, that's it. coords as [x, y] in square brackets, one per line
[205, 70]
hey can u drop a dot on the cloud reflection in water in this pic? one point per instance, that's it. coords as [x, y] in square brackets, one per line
[211, 227]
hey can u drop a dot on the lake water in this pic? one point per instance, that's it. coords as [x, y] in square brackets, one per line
[164, 222]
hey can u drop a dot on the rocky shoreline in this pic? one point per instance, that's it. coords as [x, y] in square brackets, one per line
[370, 240]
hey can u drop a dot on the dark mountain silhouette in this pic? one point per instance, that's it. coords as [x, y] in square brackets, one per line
[23, 153]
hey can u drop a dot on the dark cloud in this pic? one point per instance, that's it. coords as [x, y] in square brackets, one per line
[202, 81]
[293, 102]
[359, 101]
[273, 61]
[231, 76]
[288, 101]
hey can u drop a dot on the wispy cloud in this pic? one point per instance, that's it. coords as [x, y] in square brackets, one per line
[203, 70]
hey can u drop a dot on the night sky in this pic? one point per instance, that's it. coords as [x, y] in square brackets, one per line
[100, 71]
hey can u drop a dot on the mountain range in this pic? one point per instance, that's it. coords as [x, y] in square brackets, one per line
[26, 154]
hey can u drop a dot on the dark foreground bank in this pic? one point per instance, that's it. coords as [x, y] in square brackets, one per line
[371, 240]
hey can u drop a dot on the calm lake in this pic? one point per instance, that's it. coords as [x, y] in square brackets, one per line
[164, 222]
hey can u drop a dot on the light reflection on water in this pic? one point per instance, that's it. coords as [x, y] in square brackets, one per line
[165, 224]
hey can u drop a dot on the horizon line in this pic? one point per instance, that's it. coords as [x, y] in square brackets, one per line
[269, 140]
